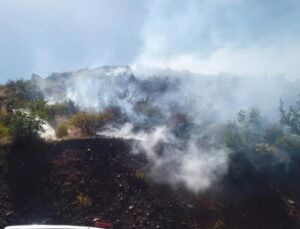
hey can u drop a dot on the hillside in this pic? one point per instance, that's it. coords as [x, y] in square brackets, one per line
[161, 151]
[74, 181]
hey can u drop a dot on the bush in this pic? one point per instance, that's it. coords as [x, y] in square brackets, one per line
[61, 131]
[39, 108]
[86, 122]
[90, 122]
[25, 127]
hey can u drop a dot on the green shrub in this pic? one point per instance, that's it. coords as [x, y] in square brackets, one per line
[61, 131]
[39, 108]
[25, 127]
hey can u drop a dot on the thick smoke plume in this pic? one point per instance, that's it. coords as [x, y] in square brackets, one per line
[175, 160]
[174, 117]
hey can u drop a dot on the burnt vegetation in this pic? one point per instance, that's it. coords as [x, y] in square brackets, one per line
[79, 176]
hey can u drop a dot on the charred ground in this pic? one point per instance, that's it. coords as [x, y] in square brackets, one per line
[74, 181]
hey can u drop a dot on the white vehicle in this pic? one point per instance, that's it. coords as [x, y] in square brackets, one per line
[99, 224]
[55, 227]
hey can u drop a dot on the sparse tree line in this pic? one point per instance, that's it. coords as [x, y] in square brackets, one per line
[262, 151]
[248, 132]
[23, 110]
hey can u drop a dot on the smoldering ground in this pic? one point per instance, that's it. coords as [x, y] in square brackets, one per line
[177, 118]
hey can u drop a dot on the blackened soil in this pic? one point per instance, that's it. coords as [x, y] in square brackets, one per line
[75, 181]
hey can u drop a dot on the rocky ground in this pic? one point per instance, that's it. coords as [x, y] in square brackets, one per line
[75, 181]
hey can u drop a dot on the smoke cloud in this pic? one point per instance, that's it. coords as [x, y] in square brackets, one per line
[174, 160]
[174, 117]
[207, 98]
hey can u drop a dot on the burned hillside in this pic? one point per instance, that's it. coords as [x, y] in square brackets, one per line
[171, 150]
[75, 181]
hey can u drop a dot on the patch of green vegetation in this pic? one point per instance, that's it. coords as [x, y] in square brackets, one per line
[25, 127]
[39, 108]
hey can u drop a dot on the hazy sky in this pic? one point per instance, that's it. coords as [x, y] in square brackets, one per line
[249, 37]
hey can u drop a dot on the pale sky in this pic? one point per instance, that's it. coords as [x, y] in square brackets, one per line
[244, 37]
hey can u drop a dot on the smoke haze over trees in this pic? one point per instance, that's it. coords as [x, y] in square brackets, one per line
[154, 113]
[189, 126]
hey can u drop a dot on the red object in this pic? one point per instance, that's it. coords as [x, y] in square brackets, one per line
[104, 224]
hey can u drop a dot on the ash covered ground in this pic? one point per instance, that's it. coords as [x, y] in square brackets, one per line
[75, 181]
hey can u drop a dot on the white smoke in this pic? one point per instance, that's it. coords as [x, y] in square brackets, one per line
[207, 97]
[174, 116]
[48, 132]
[174, 160]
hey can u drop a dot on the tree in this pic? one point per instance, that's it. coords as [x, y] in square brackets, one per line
[39, 108]
[249, 126]
[25, 127]
[291, 117]
[25, 89]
